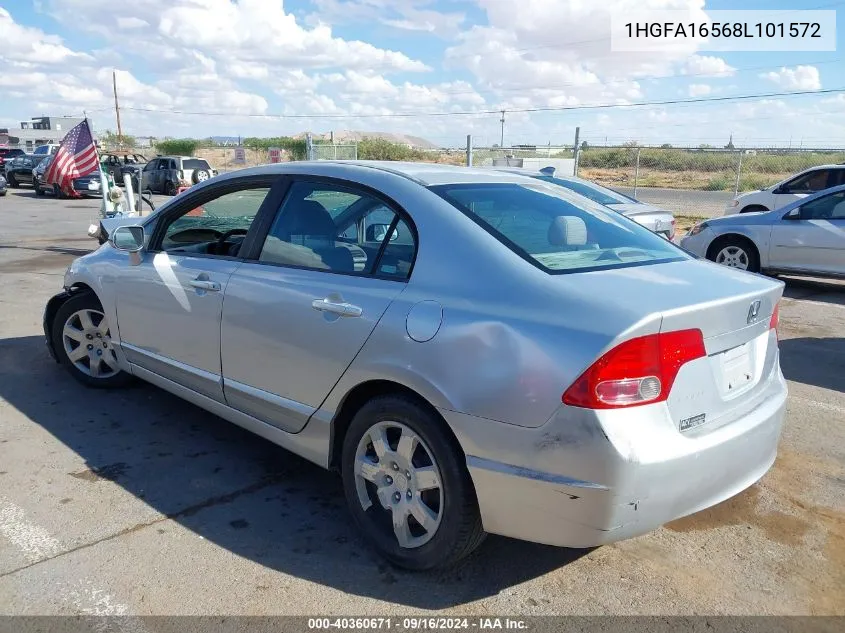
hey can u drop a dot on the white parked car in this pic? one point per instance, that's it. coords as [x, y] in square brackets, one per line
[794, 188]
[804, 237]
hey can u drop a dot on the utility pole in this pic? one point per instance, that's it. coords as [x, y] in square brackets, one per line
[502, 141]
[576, 151]
[117, 108]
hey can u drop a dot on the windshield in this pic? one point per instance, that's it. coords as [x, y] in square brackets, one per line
[556, 230]
[594, 192]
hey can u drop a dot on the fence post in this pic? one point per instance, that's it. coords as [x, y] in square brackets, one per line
[576, 151]
[469, 150]
[309, 147]
[738, 174]
[637, 173]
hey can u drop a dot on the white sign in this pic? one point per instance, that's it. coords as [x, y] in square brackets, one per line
[240, 155]
[275, 155]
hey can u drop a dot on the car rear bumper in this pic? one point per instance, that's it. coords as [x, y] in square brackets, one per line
[570, 483]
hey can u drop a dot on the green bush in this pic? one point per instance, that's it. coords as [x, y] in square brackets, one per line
[753, 182]
[178, 146]
[719, 183]
[294, 146]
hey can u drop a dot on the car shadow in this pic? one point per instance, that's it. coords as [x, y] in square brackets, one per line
[239, 491]
[814, 289]
[814, 361]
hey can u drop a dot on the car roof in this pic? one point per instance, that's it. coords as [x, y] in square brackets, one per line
[432, 173]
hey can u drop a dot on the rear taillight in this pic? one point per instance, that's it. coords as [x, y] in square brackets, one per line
[639, 371]
[775, 320]
[672, 230]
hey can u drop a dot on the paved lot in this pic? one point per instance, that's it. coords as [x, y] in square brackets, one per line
[134, 502]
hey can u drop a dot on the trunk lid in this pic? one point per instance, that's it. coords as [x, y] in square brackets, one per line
[653, 218]
[732, 309]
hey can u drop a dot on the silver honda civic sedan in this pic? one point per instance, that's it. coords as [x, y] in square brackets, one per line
[475, 352]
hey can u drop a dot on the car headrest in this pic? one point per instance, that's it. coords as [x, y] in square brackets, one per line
[567, 230]
[309, 217]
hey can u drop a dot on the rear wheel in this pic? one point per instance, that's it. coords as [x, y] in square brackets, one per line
[170, 189]
[735, 252]
[82, 341]
[407, 485]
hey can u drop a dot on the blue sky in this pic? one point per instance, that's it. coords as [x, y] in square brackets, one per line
[354, 61]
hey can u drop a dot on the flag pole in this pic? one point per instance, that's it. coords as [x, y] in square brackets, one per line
[104, 185]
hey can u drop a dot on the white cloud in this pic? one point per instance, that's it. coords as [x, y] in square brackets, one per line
[557, 53]
[798, 78]
[408, 15]
[699, 90]
[707, 66]
[32, 45]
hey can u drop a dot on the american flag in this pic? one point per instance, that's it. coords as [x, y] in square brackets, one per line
[76, 157]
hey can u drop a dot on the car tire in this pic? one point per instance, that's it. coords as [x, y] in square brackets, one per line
[38, 190]
[200, 175]
[735, 252]
[80, 324]
[753, 208]
[170, 189]
[423, 475]
[13, 183]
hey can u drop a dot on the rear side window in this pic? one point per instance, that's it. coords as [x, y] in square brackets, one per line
[557, 230]
[596, 193]
[194, 163]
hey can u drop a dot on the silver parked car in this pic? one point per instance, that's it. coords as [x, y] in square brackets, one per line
[655, 219]
[473, 351]
[806, 236]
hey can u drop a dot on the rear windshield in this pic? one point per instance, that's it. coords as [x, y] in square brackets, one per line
[5, 151]
[594, 192]
[194, 163]
[557, 230]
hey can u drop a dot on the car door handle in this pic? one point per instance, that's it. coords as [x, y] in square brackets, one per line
[205, 284]
[341, 309]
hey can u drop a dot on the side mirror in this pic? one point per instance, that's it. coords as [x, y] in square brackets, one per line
[129, 239]
[780, 190]
[794, 214]
[376, 233]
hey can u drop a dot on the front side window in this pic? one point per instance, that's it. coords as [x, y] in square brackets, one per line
[333, 228]
[556, 229]
[808, 183]
[830, 207]
[217, 227]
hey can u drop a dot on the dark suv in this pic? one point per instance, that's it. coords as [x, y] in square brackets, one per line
[7, 153]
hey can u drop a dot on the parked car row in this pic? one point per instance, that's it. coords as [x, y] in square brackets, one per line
[162, 174]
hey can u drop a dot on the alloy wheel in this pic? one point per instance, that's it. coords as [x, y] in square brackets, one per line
[734, 257]
[87, 343]
[395, 468]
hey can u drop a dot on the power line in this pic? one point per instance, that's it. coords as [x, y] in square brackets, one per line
[447, 113]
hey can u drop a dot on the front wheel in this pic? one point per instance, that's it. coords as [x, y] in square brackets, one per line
[82, 341]
[407, 485]
[734, 253]
[13, 182]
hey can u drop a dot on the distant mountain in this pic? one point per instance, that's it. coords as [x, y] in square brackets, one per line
[225, 140]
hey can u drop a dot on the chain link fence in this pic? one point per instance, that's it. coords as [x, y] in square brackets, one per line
[330, 151]
[697, 182]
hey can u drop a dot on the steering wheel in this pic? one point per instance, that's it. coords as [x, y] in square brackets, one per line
[218, 245]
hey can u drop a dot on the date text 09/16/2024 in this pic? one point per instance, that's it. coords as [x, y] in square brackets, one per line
[417, 623]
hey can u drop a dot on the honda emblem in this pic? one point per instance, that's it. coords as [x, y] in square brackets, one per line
[753, 311]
